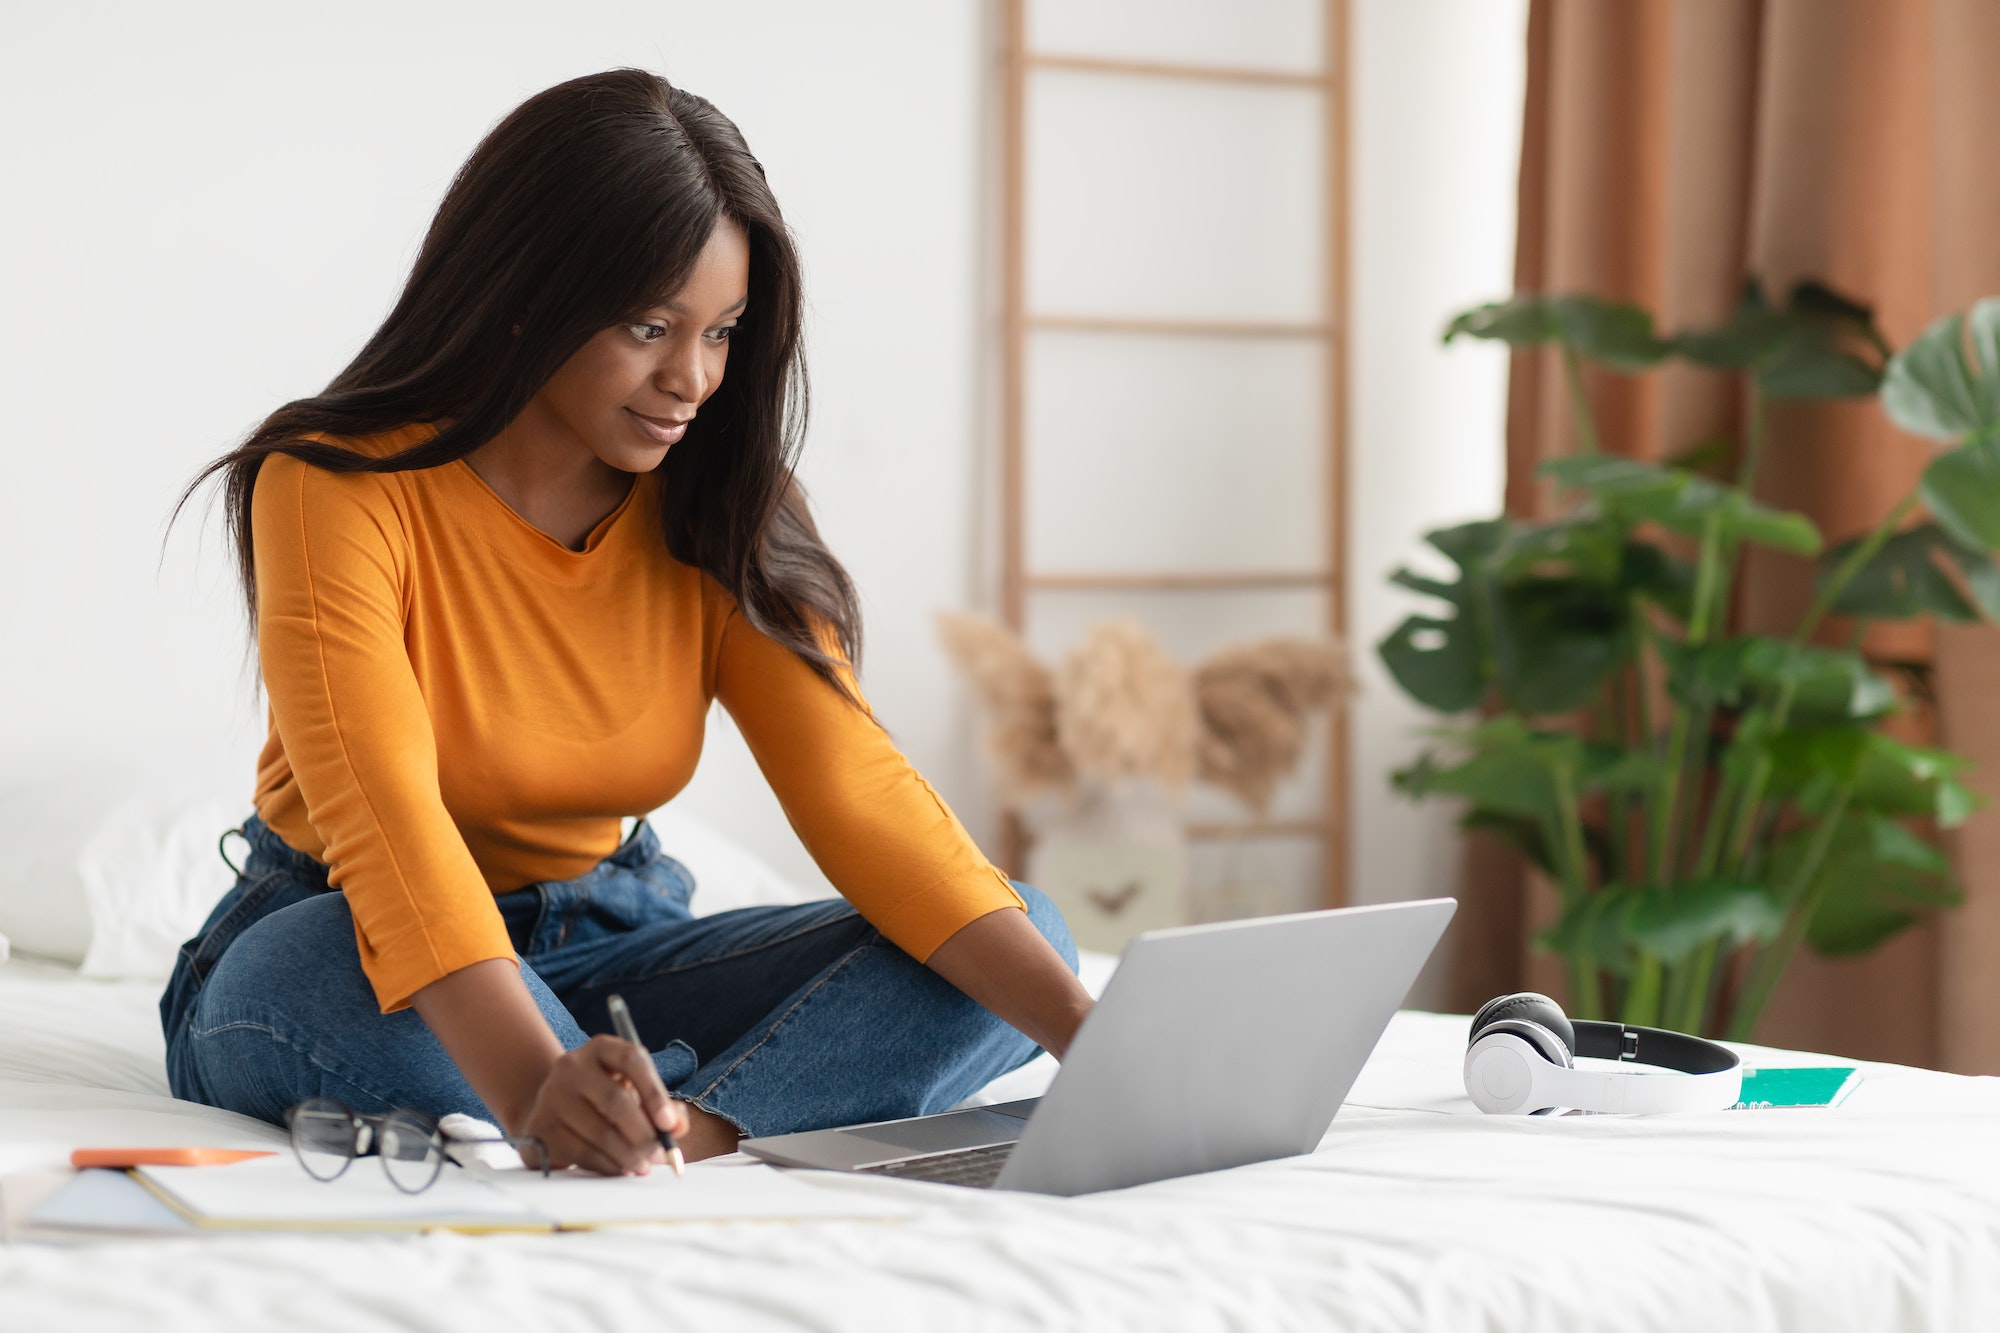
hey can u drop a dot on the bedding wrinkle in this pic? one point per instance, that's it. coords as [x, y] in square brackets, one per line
[1882, 1216]
[461, 707]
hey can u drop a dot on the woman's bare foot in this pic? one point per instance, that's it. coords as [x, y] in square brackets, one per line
[708, 1135]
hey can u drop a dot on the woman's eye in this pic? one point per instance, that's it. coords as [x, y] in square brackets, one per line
[647, 333]
[721, 335]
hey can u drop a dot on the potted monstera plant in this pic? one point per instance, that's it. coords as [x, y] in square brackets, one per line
[1707, 802]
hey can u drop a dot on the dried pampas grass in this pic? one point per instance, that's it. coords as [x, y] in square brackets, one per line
[1124, 709]
[1255, 702]
[1120, 709]
[1019, 696]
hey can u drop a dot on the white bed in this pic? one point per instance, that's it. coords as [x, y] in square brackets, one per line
[1415, 1214]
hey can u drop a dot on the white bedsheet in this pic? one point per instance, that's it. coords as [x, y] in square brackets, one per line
[1415, 1214]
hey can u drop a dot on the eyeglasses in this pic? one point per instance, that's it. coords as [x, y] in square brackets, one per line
[327, 1135]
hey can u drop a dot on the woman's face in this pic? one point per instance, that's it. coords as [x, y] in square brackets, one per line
[628, 394]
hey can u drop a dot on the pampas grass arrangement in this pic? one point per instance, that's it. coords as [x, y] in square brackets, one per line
[1096, 754]
[1120, 709]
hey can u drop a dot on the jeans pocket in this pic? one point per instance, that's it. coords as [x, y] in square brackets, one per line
[614, 900]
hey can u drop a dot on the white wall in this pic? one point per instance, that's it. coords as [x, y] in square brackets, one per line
[210, 205]
[1438, 88]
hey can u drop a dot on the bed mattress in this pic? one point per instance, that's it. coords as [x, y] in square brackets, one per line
[1416, 1213]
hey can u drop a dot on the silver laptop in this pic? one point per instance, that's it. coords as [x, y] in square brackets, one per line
[1213, 1046]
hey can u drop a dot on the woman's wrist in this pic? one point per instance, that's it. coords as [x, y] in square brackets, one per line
[1004, 963]
[489, 1025]
[513, 1099]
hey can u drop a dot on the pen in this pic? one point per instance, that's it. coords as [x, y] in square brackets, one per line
[621, 1018]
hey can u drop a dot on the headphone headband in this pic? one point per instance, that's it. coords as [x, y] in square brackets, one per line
[1506, 1073]
[1652, 1046]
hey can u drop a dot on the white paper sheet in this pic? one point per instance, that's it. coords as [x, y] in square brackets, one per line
[275, 1192]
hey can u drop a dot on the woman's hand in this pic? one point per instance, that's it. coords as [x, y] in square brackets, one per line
[594, 1106]
[600, 1107]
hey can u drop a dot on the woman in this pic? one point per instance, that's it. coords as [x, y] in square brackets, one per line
[498, 570]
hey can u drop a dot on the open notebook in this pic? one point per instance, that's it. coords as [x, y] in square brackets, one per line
[273, 1194]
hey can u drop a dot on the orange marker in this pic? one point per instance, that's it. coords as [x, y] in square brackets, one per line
[128, 1157]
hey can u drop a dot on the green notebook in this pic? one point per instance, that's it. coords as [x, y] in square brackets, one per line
[1820, 1085]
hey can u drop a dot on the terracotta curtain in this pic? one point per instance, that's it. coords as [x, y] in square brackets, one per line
[1672, 148]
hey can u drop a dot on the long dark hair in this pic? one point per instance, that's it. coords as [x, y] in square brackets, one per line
[589, 203]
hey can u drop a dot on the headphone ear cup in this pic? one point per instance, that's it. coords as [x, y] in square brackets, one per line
[1500, 1076]
[1529, 1007]
[1547, 1043]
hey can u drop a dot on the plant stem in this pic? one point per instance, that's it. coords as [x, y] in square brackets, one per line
[1693, 766]
[1753, 448]
[1642, 998]
[1642, 687]
[1693, 1007]
[1718, 818]
[1588, 999]
[1579, 401]
[1802, 898]
[1669, 792]
[1677, 981]
[1571, 825]
[1707, 575]
[1745, 823]
[1662, 847]
[1587, 996]
[1848, 568]
[1618, 804]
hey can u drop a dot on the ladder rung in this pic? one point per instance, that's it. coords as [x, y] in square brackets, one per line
[1153, 326]
[1189, 581]
[1167, 69]
[1259, 828]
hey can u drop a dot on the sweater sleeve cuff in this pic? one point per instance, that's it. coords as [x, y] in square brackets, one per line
[927, 918]
[399, 971]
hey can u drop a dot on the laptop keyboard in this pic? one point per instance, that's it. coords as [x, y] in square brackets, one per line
[977, 1167]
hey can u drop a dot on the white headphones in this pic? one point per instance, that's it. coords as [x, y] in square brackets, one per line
[1520, 1060]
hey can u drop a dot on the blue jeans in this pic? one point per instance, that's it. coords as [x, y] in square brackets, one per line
[775, 1018]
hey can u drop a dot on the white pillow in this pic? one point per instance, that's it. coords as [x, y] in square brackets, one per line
[43, 827]
[115, 874]
[151, 873]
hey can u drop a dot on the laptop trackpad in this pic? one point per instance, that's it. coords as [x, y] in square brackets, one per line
[941, 1133]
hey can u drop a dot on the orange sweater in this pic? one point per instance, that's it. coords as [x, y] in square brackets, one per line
[461, 706]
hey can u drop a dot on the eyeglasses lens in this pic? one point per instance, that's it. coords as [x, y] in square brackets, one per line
[411, 1151]
[323, 1136]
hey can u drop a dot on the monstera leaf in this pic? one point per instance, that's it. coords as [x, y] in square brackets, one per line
[1729, 673]
[1940, 388]
[1542, 613]
[1682, 502]
[1510, 768]
[1616, 335]
[1445, 662]
[1669, 922]
[1876, 879]
[1946, 386]
[1881, 776]
[1819, 345]
[1924, 571]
